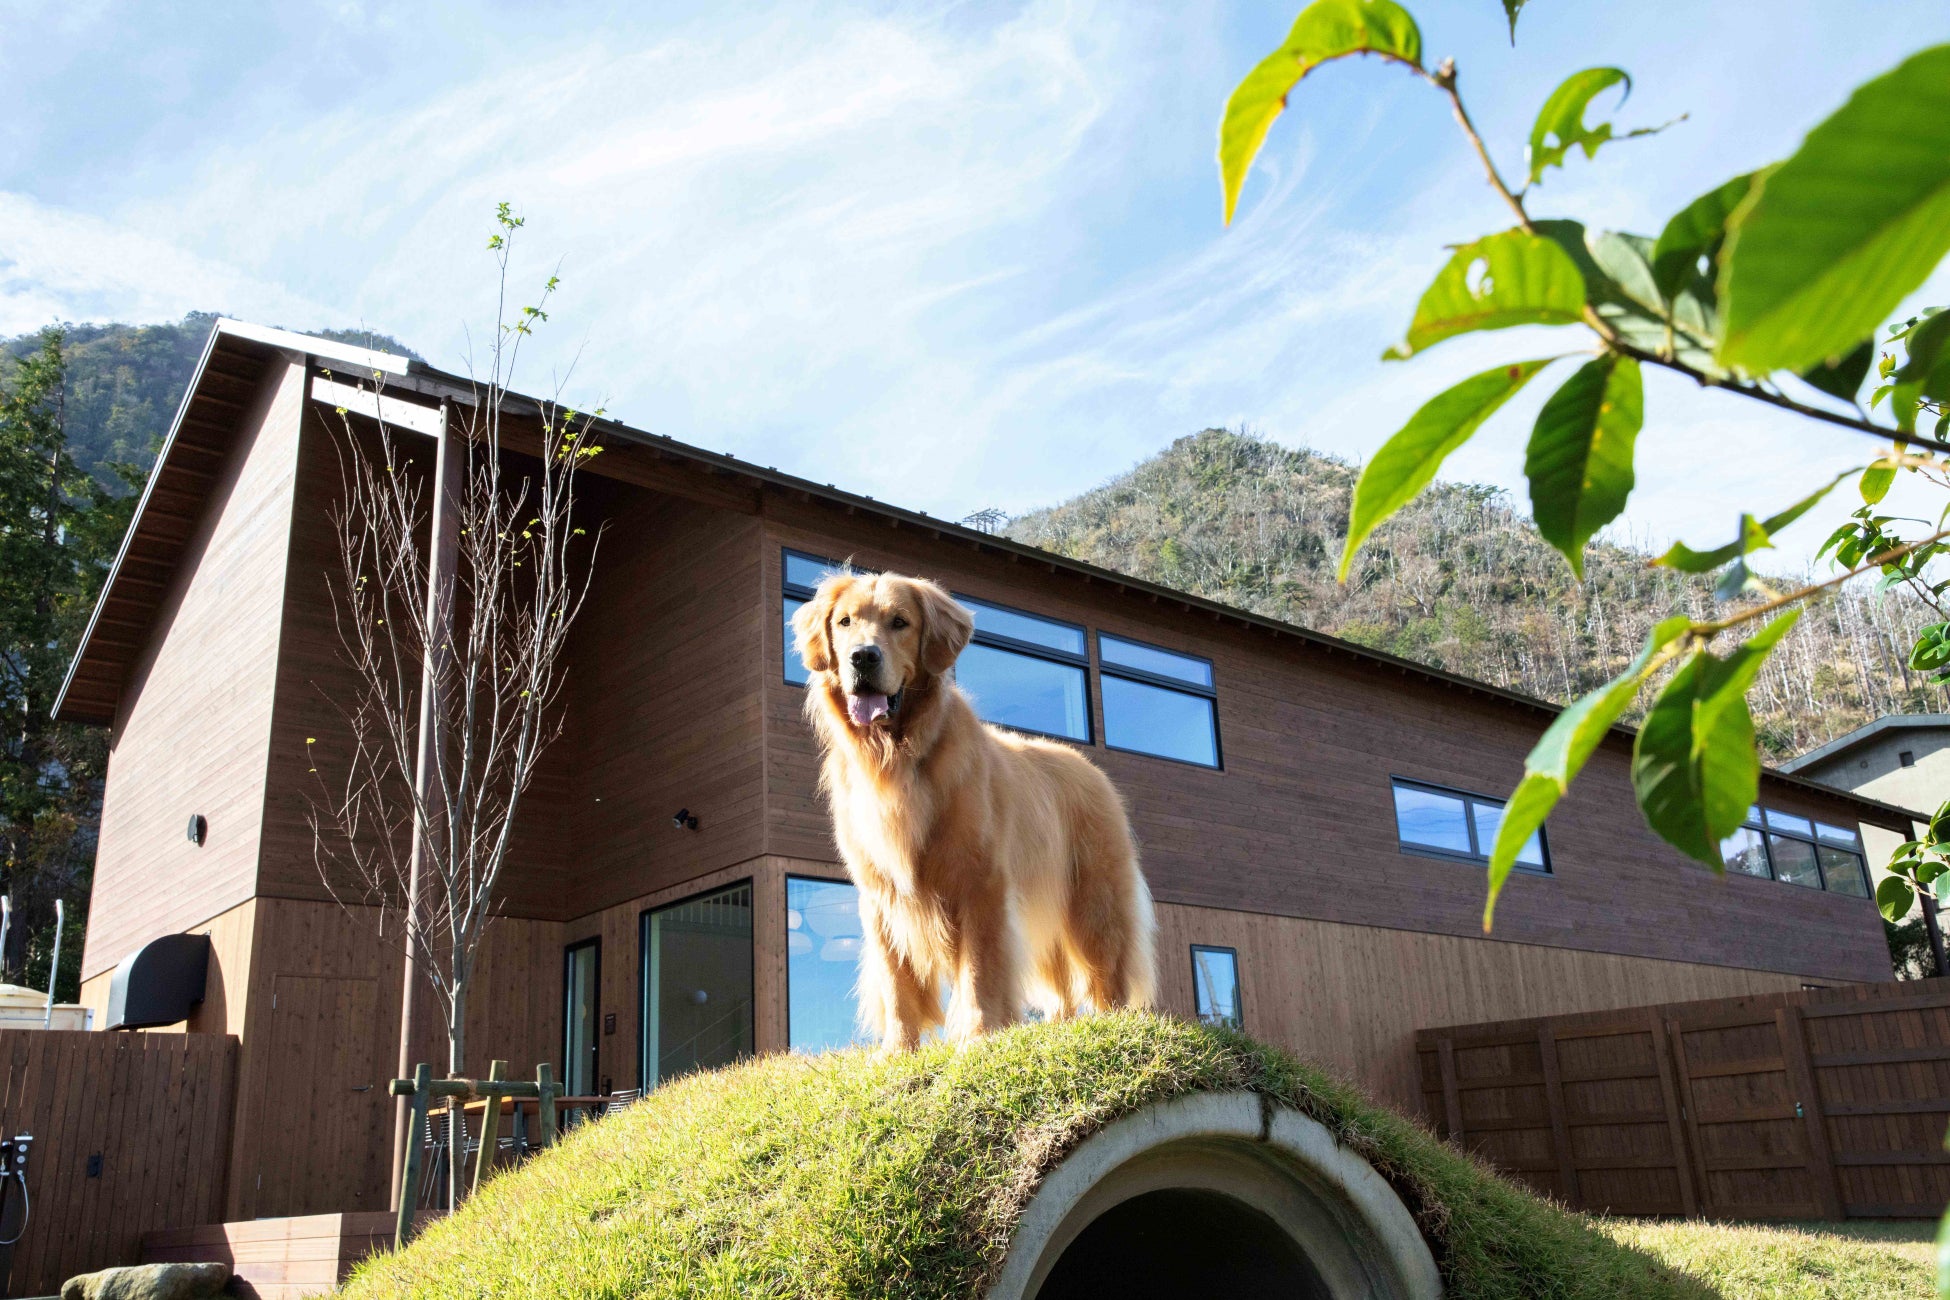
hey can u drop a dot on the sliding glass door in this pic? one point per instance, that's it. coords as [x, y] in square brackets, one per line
[696, 988]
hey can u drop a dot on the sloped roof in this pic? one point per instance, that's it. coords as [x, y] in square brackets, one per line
[233, 362]
[1864, 734]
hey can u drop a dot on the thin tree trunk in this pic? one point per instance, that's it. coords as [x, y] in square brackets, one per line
[457, 1115]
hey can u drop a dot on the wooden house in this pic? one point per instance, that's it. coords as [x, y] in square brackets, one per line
[1312, 814]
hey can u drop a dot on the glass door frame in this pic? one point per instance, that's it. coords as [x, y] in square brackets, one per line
[594, 945]
[643, 975]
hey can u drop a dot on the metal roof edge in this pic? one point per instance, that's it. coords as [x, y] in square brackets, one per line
[135, 520]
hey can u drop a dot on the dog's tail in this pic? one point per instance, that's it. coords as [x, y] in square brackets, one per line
[1141, 969]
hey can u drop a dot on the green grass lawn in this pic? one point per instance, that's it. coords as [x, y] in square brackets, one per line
[1860, 1260]
[853, 1175]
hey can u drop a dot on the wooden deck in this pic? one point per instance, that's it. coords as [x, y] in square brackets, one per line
[278, 1259]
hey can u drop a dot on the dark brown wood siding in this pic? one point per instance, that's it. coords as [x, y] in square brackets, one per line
[1301, 821]
[196, 715]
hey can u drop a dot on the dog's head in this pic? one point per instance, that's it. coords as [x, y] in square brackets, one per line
[878, 636]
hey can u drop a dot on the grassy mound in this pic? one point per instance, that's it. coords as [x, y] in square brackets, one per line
[853, 1175]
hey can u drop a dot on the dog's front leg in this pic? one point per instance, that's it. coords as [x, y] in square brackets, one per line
[896, 1004]
[988, 981]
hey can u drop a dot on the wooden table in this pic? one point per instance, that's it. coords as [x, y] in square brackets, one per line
[522, 1107]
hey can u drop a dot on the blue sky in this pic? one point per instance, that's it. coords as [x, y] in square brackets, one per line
[951, 255]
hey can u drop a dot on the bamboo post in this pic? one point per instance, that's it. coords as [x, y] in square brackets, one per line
[490, 1121]
[420, 1090]
[546, 1089]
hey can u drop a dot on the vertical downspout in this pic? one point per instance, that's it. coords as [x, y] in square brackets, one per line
[447, 467]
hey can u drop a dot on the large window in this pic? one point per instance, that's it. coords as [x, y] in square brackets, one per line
[696, 984]
[1215, 986]
[1158, 702]
[581, 994]
[1026, 672]
[822, 964]
[1799, 850]
[1451, 824]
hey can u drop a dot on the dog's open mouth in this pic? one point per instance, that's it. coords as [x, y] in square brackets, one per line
[868, 707]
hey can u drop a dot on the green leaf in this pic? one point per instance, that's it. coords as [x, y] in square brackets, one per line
[1500, 280]
[1325, 29]
[1621, 289]
[1562, 753]
[1579, 461]
[1931, 653]
[1925, 373]
[1407, 461]
[1843, 378]
[1562, 119]
[1894, 897]
[1829, 242]
[1876, 482]
[1696, 231]
[1754, 535]
[1694, 768]
[1511, 8]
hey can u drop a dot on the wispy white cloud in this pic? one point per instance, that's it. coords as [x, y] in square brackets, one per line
[953, 256]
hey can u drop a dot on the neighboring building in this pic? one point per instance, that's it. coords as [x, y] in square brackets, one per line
[1902, 759]
[1312, 814]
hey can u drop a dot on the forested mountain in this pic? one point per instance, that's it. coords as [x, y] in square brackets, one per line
[1459, 580]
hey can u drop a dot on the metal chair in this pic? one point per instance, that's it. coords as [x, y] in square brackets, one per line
[621, 1101]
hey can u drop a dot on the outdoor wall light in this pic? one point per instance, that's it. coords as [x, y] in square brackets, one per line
[199, 829]
[685, 820]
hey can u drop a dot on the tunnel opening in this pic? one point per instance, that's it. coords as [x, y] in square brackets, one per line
[1181, 1241]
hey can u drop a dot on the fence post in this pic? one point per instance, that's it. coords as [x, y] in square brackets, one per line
[1567, 1168]
[1814, 1132]
[490, 1121]
[409, 1193]
[1445, 1055]
[1682, 1160]
[545, 1085]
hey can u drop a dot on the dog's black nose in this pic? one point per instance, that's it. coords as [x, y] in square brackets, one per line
[865, 658]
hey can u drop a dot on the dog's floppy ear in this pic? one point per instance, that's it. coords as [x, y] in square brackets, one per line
[945, 628]
[810, 631]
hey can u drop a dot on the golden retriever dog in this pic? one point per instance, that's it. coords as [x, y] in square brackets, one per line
[999, 865]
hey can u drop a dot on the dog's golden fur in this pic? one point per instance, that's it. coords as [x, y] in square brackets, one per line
[997, 864]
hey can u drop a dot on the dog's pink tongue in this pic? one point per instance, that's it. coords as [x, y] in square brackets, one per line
[863, 709]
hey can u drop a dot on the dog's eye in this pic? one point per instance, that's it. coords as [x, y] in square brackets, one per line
[898, 623]
[846, 620]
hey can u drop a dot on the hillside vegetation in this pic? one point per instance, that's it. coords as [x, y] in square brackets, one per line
[1458, 580]
[125, 381]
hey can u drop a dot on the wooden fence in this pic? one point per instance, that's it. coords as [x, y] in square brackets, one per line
[131, 1133]
[1823, 1104]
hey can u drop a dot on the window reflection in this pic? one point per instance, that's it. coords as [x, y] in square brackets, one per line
[1024, 691]
[1215, 985]
[822, 964]
[697, 984]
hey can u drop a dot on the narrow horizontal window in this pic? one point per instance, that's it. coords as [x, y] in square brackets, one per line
[1455, 824]
[1026, 672]
[1158, 702]
[999, 623]
[1215, 986]
[1116, 651]
[1789, 823]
